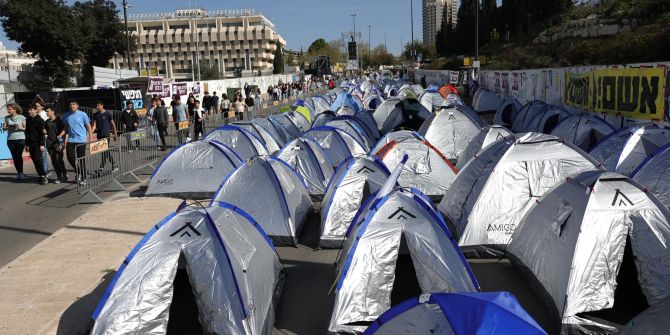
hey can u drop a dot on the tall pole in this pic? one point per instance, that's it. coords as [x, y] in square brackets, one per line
[411, 14]
[477, 30]
[385, 51]
[197, 38]
[369, 43]
[353, 15]
[125, 19]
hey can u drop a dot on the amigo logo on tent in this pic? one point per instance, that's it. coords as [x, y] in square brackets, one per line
[506, 228]
[365, 170]
[164, 181]
[400, 212]
[187, 225]
[621, 199]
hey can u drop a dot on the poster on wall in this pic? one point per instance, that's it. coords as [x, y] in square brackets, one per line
[166, 92]
[515, 83]
[180, 89]
[634, 93]
[505, 83]
[498, 84]
[196, 88]
[453, 77]
[155, 85]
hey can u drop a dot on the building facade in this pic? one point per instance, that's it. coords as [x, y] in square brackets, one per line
[235, 41]
[12, 63]
[432, 18]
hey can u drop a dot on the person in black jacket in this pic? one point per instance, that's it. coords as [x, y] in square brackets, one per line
[161, 118]
[35, 143]
[54, 129]
[129, 122]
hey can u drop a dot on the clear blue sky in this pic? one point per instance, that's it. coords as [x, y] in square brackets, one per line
[302, 21]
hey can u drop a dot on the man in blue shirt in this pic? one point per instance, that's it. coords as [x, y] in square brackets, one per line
[104, 127]
[77, 132]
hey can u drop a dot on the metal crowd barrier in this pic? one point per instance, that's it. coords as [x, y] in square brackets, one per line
[106, 164]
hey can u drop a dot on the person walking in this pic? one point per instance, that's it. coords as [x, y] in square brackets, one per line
[77, 132]
[207, 103]
[39, 107]
[151, 121]
[15, 126]
[249, 102]
[35, 143]
[129, 122]
[103, 125]
[215, 103]
[238, 107]
[178, 115]
[55, 130]
[198, 114]
[161, 117]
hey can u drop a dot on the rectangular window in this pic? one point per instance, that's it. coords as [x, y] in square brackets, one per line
[179, 26]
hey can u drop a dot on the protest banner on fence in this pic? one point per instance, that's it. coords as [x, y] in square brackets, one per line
[631, 92]
[155, 85]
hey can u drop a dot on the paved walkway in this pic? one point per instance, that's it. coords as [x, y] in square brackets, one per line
[52, 288]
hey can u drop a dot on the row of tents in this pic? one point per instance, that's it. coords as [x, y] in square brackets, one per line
[377, 175]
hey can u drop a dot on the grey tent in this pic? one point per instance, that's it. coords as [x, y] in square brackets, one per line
[320, 104]
[288, 123]
[507, 112]
[310, 161]
[338, 144]
[193, 170]
[269, 141]
[653, 321]
[275, 129]
[544, 120]
[390, 89]
[372, 101]
[494, 190]
[229, 263]
[457, 314]
[627, 148]
[431, 99]
[392, 136]
[525, 115]
[398, 228]
[450, 130]
[486, 101]
[299, 120]
[345, 110]
[427, 170]
[395, 114]
[355, 180]
[352, 127]
[596, 241]
[654, 174]
[484, 138]
[272, 193]
[322, 118]
[244, 143]
[367, 122]
[584, 130]
[407, 92]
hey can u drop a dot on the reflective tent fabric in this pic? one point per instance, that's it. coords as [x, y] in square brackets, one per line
[372, 101]
[431, 100]
[400, 222]
[320, 104]
[545, 120]
[486, 136]
[366, 120]
[406, 92]
[270, 143]
[489, 197]
[457, 313]
[193, 170]
[584, 130]
[427, 169]
[654, 175]
[626, 149]
[301, 122]
[354, 180]
[276, 130]
[486, 101]
[231, 265]
[450, 131]
[289, 124]
[573, 241]
[346, 99]
[354, 128]
[394, 114]
[323, 118]
[241, 141]
[526, 114]
[653, 321]
[507, 112]
[310, 161]
[392, 136]
[338, 144]
[272, 193]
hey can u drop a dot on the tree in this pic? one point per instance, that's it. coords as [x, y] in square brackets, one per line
[443, 36]
[378, 56]
[278, 61]
[89, 32]
[419, 49]
[104, 35]
[317, 45]
[209, 70]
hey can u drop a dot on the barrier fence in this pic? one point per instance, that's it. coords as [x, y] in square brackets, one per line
[107, 164]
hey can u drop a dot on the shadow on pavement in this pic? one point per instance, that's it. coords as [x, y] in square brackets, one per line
[115, 231]
[76, 319]
[65, 197]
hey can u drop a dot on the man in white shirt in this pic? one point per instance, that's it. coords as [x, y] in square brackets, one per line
[198, 114]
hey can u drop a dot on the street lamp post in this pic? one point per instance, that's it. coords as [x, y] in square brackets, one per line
[369, 43]
[477, 30]
[411, 14]
[125, 19]
[353, 15]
